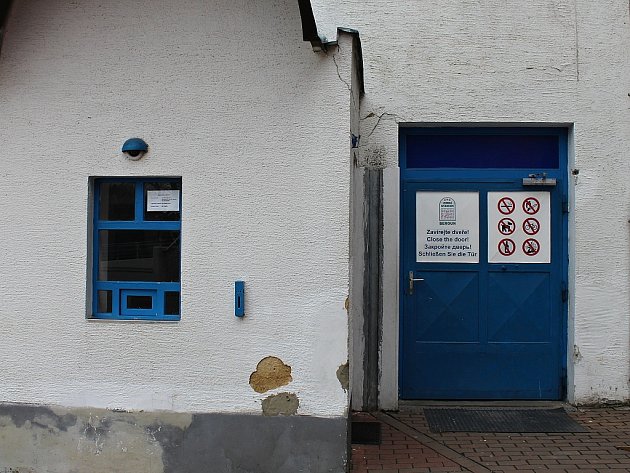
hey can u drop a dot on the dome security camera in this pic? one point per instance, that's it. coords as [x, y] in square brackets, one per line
[135, 148]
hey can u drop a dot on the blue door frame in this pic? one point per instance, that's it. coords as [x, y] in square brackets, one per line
[483, 330]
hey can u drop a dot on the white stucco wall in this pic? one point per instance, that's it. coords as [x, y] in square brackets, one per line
[498, 62]
[231, 99]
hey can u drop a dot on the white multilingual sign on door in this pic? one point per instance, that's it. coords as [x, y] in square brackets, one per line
[447, 227]
[519, 227]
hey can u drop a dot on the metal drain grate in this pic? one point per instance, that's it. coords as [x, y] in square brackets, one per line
[366, 433]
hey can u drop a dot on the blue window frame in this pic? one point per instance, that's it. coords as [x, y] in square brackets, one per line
[136, 249]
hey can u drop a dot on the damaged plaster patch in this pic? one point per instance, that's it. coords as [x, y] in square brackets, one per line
[282, 404]
[270, 373]
[374, 157]
[343, 375]
[577, 356]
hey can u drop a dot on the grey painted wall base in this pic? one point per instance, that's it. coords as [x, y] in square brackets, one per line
[39, 439]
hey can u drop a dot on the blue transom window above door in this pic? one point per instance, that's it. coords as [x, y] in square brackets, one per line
[136, 249]
[482, 148]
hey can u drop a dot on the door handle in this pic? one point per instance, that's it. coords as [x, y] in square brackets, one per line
[411, 280]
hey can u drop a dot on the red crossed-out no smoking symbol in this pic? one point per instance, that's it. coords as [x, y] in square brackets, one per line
[531, 226]
[531, 247]
[507, 247]
[505, 205]
[506, 226]
[531, 205]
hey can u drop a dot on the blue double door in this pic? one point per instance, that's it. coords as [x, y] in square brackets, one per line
[483, 266]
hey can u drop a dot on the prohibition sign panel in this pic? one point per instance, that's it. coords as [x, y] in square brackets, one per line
[531, 247]
[505, 205]
[530, 213]
[506, 226]
[531, 205]
[507, 247]
[531, 226]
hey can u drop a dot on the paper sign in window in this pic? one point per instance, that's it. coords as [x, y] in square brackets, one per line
[163, 201]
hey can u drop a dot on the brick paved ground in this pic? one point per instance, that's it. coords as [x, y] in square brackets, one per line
[398, 453]
[409, 447]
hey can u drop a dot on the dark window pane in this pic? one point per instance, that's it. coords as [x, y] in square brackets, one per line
[104, 302]
[171, 303]
[483, 151]
[162, 195]
[117, 201]
[139, 302]
[139, 255]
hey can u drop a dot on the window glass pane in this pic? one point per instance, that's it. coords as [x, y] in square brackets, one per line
[165, 195]
[117, 201]
[139, 302]
[139, 255]
[105, 302]
[171, 303]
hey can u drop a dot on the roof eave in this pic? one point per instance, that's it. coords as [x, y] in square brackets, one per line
[309, 26]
